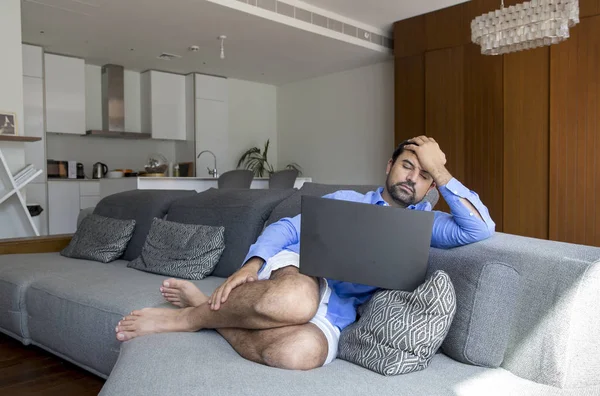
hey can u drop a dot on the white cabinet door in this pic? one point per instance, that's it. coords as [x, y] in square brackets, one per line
[210, 87]
[212, 134]
[163, 105]
[33, 106]
[65, 94]
[63, 204]
[32, 61]
[37, 194]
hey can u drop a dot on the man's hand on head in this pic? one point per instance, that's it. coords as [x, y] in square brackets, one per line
[431, 157]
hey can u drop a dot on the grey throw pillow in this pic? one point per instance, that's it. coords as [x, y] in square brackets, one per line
[185, 251]
[100, 238]
[399, 332]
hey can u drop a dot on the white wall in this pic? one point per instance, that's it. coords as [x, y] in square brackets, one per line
[339, 127]
[252, 119]
[11, 69]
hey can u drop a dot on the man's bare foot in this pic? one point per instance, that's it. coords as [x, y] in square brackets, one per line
[152, 321]
[182, 293]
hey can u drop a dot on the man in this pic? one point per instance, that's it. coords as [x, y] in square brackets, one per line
[272, 314]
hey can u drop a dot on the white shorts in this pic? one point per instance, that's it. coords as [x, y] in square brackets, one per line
[286, 258]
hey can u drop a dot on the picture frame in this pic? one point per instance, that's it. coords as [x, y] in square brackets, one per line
[8, 124]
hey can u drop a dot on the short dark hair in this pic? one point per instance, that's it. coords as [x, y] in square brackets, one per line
[399, 150]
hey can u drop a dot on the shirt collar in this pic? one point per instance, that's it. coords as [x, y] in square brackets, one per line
[378, 200]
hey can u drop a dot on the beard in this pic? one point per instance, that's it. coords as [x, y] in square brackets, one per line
[399, 195]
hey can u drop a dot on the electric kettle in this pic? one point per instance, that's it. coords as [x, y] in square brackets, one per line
[99, 170]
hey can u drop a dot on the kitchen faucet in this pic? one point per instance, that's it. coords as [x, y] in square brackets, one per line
[212, 172]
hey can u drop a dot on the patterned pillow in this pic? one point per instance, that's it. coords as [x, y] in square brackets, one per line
[399, 332]
[100, 238]
[187, 251]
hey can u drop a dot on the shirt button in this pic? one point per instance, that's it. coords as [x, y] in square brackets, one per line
[470, 214]
[455, 192]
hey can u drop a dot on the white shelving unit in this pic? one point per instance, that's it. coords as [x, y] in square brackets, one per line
[15, 220]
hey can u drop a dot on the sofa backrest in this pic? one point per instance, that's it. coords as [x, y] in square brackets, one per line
[141, 206]
[554, 337]
[242, 212]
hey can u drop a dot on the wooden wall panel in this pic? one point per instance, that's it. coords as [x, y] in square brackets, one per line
[409, 37]
[589, 8]
[444, 111]
[526, 142]
[409, 81]
[575, 136]
[447, 28]
[483, 108]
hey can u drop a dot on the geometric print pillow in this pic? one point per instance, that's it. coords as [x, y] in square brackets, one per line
[399, 332]
[100, 238]
[186, 251]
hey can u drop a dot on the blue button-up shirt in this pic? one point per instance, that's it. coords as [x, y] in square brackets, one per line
[449, 230]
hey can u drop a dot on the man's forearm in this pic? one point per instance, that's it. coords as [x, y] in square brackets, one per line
[443, 177]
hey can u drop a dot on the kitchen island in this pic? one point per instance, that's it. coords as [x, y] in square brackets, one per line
[113, 186]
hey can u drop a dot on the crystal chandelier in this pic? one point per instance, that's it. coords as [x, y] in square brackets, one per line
[524, 26]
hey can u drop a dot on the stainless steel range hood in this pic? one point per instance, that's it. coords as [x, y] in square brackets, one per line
[113, 106]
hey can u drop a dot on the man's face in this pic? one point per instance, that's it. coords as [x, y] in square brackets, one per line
[406, 182]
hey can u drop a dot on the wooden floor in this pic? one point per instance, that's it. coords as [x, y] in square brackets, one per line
[28, 370]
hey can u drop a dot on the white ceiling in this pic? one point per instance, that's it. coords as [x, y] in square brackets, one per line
[133, 33]
[382, 13]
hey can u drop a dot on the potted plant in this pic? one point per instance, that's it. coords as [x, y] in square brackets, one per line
[256, 160]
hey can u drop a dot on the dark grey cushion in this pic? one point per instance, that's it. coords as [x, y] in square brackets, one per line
[485, 311]
[242, 212]
[399, 332]
[291, 206]
[141, 206]
[100, 238]
[185, 251]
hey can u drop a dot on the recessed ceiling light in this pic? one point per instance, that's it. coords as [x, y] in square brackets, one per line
[131, 49]
[193, 48]
[42, 32]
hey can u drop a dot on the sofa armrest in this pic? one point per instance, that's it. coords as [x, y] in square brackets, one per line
[44, 244]
[553, 339]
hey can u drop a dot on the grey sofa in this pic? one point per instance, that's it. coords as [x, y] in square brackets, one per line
[552, 342]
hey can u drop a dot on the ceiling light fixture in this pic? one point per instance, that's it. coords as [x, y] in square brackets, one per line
[222, 38]
[528, 25]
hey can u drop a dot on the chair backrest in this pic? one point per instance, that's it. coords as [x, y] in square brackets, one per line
[236, 179]
[283, 179]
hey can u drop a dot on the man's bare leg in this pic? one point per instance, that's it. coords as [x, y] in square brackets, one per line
[300, 347]
[288, 298]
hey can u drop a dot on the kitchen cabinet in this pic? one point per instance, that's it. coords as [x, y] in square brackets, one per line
[32, 61]
[211, 126]
[163, 105]
[66, 199]
[65, 94]
[212, 133]
[211, 87]
[63, 202]
[33, 113]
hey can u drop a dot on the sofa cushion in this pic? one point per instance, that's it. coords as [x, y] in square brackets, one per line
[204, 363]
[17, 273]
[141, 206]
[485, 313]
[187, 251]
[242, 212]
[292, 205]
[74, 313]
[399, 332]
[100, 238]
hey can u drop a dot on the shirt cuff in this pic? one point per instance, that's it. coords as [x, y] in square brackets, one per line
[456, 188]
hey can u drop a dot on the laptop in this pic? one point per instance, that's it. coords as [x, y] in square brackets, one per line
[373, 245]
